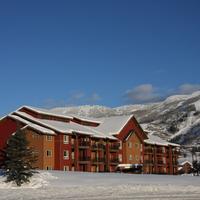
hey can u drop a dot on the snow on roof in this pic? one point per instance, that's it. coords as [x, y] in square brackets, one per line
[65, 127]
[186, 161]
[52, 113]
[152, 139]
[113, 125]
[32, 125]
[45, 111]
[73, 127]
[86, 119]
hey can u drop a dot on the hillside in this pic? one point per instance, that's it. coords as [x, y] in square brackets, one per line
[177, 118]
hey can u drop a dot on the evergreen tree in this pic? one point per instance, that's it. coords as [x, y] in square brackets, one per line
[18, 159]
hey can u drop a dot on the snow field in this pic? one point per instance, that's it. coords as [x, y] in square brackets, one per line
[102, 186]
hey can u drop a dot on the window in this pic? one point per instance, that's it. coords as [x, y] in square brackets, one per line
[136, 145]
[66, 168]
[72, 155]
[130, 144]
[49, 153]
[49, 138]
[136, 158]
[73, 169]
[130, 157]
[141, 147]
[164, 160]
[164, 169]
[66, 154]
[66, 139]
[120, 145]
[35, 135]
[120, 157]
[163, 149]
[49, 167]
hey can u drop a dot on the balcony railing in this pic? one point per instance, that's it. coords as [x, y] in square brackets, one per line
[148, 151]
[84, 158]
[175, 163]
[175, 152]
[95, 146]
[114, 147]
[98, 146]
[98, 160]
[160, 162]
[148, 162]
[84, 144]
[159, 151]
[114, 160]
[101, 146]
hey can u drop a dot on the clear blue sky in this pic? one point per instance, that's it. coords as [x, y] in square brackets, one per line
[55, 53]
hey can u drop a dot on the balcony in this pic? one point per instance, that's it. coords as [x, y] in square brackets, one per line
[98, 160]
[83, 144]
[97, 147]
[160, 151]
[94, 146]
[148, 162]
[160, 162]
[114, 161]
[84, 159]
[101, 146]
[148, 151]
[114, 147]
[175, 152]
[175, 163]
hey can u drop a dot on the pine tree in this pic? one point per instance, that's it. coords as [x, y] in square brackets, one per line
[18, 159]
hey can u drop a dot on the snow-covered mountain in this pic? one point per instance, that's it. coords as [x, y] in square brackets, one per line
[177, 118]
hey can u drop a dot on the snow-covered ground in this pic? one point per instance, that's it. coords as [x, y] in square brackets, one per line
[102, 186]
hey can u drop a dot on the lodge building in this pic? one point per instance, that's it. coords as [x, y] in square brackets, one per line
[73, 143]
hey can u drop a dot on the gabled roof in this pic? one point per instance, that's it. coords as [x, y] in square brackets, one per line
[113, 125]
[183, 163]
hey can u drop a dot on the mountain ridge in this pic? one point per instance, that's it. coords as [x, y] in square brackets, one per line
[176, 119]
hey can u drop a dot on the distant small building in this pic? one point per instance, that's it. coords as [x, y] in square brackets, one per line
[185, 167]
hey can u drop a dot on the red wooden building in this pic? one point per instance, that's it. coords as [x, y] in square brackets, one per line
[95, 145]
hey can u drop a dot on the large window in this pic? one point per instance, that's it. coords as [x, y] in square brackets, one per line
[66, 154]
[130, 157]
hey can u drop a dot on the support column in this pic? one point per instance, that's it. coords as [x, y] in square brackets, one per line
[76, 152]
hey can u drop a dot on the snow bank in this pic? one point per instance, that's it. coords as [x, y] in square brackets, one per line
[38, 180]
